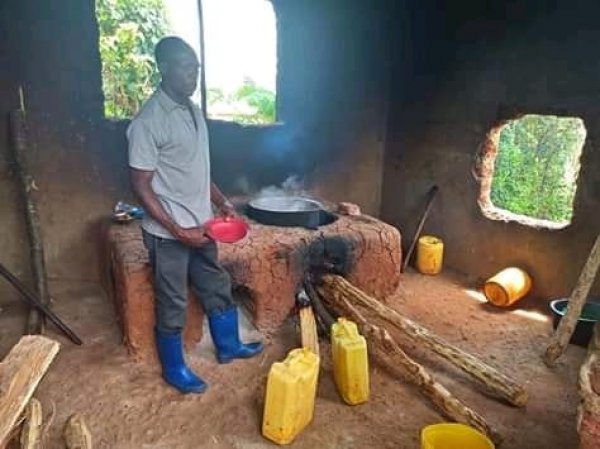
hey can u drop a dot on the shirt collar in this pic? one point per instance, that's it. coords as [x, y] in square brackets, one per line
[167, 102]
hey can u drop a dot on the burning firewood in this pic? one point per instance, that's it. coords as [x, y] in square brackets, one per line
[496, 383]
[390, 355]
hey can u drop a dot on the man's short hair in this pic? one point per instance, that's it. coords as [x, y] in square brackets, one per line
[168, 46]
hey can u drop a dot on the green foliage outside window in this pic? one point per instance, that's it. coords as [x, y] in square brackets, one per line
[249, 104]
[129, 30]
[537, 165]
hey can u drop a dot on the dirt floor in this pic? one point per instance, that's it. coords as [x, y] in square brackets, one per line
[128, 406]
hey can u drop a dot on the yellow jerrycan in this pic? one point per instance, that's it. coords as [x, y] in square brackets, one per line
[350, 362]
[290, 396]
[430, 254]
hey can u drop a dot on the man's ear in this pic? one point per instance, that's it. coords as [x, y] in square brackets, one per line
[162, 67]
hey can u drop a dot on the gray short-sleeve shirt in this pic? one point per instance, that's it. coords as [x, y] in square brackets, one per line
[163, 138]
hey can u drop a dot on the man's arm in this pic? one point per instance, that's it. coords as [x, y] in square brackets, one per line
[141, 181]
[221, 201]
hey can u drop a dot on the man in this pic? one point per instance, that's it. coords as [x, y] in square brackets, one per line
[170, 174]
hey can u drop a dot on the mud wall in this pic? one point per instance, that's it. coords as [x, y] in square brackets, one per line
[471, 65]
[333, 74]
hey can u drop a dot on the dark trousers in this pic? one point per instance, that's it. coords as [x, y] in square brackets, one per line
[174, 266]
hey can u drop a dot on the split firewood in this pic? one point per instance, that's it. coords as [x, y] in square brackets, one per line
[567, 324]
[23, 368]
[31, 435]
[390, 355]
[308, 329]
[496, 383]
[77, 435]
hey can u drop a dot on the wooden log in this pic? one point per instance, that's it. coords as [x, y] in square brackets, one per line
[589, 385]
[18, 126]
[390, 355]
[567, 324]
[322, 313]
[23, 368]
[31, 435]
[496, 383]
[588, 415]
[308, 329]
[76, 434]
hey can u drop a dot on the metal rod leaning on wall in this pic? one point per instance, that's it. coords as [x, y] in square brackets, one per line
[18, 129]
[31, 299]
[430, 197]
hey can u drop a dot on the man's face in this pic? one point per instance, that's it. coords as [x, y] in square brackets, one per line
[180, 72]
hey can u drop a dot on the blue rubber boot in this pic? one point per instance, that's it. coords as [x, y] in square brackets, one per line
[226, 336]
[174, 370]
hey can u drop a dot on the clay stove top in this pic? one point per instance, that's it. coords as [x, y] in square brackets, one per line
[269, 265]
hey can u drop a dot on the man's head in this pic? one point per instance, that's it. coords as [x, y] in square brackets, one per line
[178, 65]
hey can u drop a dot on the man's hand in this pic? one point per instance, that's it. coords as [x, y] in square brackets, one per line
[224, 207]
[191, 236]
[227, 210]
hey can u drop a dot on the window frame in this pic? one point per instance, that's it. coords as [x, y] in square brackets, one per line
[484, 169]
[203, 88]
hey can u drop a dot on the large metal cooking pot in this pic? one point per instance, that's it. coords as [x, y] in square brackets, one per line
[289, 211]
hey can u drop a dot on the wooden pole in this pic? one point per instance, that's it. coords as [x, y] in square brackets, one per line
[567, 324]
[18, 125]
[496, 383]
[22, 369]
[589, 391]
[202, 60]
[390, 355]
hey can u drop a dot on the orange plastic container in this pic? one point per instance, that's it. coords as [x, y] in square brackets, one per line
[507, 287]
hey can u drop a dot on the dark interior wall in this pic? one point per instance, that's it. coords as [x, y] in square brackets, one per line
[333, 72]
[476, 62]
[50, 49]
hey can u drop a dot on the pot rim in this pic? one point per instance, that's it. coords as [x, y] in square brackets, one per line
[256, 204]
[561, 313]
